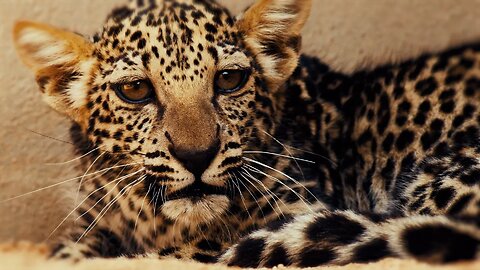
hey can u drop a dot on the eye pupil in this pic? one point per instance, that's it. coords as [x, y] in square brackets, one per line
[137, 85]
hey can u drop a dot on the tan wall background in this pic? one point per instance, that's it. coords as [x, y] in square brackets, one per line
[347, 34]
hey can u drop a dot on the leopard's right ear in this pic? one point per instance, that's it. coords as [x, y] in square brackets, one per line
[62, 62]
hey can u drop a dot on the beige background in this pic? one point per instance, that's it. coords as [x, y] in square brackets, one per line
[348, 34]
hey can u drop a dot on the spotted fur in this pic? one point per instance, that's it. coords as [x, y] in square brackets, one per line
[301, 166]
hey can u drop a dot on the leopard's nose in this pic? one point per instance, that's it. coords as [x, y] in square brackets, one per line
[194, 160]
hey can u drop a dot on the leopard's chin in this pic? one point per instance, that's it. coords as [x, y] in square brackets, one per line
[196, 209]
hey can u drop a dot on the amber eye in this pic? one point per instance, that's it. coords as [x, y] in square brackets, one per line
[135, 92]
[228, 81]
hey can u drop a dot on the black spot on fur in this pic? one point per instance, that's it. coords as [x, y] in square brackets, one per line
[443, 196]
[213, 52]
[167, 251]
[248, 253]
[471, 178]
[459, 205]
[314, 257]
[426, 87]
[278, 224]
[372, 251]
[211, 28]
[121, 13]
[334, 228]
[209, 245]
[437, 240]
[278, 255]
[204, 258]
[405, 138]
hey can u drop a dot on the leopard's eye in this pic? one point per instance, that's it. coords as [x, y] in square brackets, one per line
[135, 92]
[228, 81]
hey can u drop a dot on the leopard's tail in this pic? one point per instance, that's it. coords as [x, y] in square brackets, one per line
[342, 237]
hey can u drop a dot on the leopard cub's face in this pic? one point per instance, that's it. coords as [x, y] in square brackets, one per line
[176, 88]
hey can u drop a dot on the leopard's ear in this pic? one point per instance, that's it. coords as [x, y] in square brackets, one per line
[272, 30]
[62, 62]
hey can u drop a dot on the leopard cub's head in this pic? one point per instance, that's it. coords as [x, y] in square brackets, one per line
[179, 88]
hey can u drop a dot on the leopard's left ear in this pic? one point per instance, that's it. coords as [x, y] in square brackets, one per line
[62, 62]
[272, 30]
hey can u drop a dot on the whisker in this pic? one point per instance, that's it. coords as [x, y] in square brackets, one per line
[225, 224]
[49, 137]
[263, 194]
[63, 182]
[118, 180]
[164, 191]
[279, 155]
[283, 184]
[75, 159]
[241, 195]
[288, 152]
[153, 202]
[88, 169]
[299, 149]
[269, 191]
[108, 206]
[221, 218]
[141, 208]
[284, 174]
[254, 198]
[78, 206]
[201, 231]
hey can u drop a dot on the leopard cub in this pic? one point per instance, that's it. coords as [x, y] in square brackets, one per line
[210, 137]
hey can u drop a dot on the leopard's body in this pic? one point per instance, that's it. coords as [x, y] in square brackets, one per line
[310, 166]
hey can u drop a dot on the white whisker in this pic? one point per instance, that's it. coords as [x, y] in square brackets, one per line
[118, 180]
[271, 193]
[263, 194]
[154, 202]
[288, 152]
[284, 174]
[105, 209]
[88, 169]
[283, 184]
[141, 208]
[279, 155]
[301, 150]
[75, 159]
[254, 198]
[63, 182]
[78, 206]
[241, 195]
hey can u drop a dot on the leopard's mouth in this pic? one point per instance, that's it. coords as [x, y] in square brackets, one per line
[196, 191]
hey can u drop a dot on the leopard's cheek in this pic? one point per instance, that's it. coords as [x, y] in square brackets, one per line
[118, 129]
[238, 114]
